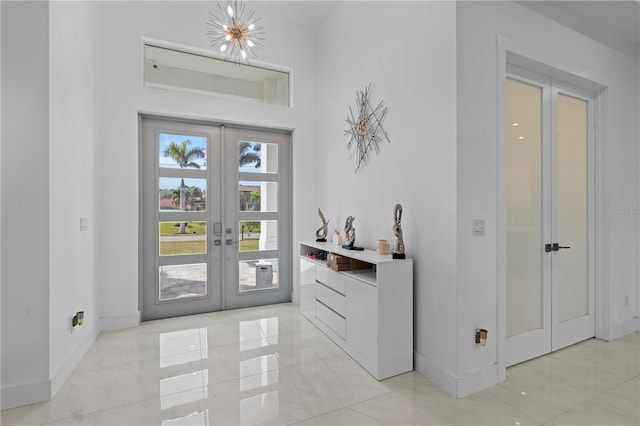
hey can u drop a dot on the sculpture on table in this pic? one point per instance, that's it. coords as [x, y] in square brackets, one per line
[321, 233]
[349, 233]
[398, 247]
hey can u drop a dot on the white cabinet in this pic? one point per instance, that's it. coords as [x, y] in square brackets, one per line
[307, 287]
[367, 312]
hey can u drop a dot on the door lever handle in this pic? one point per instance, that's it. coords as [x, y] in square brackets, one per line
[554, 247]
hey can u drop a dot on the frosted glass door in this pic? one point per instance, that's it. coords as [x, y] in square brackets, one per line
[549, 216]
[573, 304]
[528, 316]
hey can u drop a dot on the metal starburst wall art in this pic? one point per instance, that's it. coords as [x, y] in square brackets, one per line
[365, 128]
[234, 31]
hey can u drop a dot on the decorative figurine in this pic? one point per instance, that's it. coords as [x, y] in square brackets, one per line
[349, 233]
[321, 233]
[398, 248]
[337, 238]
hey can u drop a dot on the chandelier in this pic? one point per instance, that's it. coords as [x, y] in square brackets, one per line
[235, 32]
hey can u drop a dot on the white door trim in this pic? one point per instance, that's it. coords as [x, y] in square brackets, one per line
[527, 56]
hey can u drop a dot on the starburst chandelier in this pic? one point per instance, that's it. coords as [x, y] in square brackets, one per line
[235, 32]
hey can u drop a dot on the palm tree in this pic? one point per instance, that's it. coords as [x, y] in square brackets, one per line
[192, 194]
[181, 154]
[250, 154]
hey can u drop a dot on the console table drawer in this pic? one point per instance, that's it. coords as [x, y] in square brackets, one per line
[331, 319]
[331, 279]
[331, 298]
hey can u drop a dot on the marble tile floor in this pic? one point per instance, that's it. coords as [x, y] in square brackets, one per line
[269, 365]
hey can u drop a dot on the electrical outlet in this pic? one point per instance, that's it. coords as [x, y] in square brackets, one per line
[84, 223]
[478, 227]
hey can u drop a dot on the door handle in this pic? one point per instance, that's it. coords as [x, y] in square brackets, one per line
[554, 247]
[229, 242]
[217, 242]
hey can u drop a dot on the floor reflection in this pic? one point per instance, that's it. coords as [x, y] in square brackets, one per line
[268, 365]
[197, 418]
[257, 368]
[260, 408]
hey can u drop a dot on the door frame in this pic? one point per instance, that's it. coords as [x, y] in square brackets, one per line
[285, 257]
[529, 57]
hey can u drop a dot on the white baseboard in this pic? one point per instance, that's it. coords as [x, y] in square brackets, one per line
[458, 387]
[120, 322]
[31, 393]
[447, 381]
[72, 361]
[630, 326]
[478, 380]
[25, 394]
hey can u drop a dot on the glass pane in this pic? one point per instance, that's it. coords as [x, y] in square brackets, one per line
[524, 207]
[183, 281]
[570, 265]
[192, 196]
[258, 157]
[258, 274]
[180, 151]
[173, 69]
[258, 235]
[179, 238]
[258, 196]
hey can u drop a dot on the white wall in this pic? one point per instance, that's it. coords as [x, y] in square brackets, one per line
[479, 24]
[74, 137]
[407, 50]
[0, 210]
[124, 24]
[25, 202]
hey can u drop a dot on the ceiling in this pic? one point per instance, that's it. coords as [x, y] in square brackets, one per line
[615, 23]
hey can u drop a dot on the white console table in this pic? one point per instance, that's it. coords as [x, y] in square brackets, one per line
[367, 312]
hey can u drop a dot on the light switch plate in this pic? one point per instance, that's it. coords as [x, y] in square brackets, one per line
[84, 224]
[478, 227]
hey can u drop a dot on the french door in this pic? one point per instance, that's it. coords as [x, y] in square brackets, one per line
[550, 215]
[215, 218]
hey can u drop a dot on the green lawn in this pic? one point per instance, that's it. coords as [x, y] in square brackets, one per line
[249, 244]
[170, 228]
[173, 248]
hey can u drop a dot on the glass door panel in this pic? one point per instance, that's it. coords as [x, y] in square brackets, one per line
[524, 207]
[573, 284]
[570, 266]
[182, 281]
[251, 199]
[195, 194]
